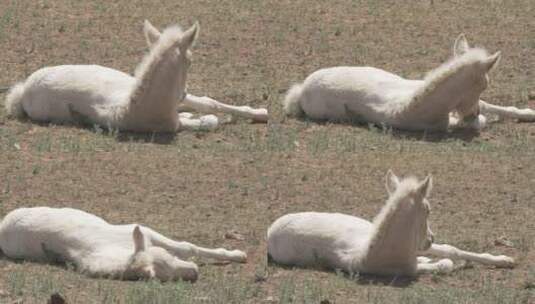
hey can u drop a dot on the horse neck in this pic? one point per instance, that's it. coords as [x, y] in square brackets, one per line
[161, 79]
[439, 94]
[393, 243]
[159, 86]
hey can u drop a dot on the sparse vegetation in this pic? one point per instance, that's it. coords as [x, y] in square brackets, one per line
[241, 177]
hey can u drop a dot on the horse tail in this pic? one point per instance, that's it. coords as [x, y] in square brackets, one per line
[291, 104]
[13, 102]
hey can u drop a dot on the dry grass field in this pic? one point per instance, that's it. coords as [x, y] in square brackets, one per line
[201, 186]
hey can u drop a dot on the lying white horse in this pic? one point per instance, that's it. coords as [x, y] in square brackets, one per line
[388, 246]
[448, 96]
[97, 95]
[100, 249]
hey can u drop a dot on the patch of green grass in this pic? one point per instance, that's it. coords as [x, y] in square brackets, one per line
[7, 20]
[489, 293]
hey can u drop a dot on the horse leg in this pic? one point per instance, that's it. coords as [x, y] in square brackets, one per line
[185, 115]
[453, 121]
[206, 122]
[525, 115]
[422, 259]
[451, 252]
[441, 266]
[220, 254]
[476, 123]
[186, 250]
[211, 106]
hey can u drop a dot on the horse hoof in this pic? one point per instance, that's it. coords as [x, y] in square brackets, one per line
[445, 266]
[505, 262]
[261, 115]
[241, 257]
[209, 122]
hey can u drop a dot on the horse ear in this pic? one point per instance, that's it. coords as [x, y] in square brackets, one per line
[460, 46]
[152, 34]
[424, 189]
[190, 36]
[493, 60]
[139, 240]
[391, 181]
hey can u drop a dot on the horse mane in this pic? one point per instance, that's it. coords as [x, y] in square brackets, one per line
[443, 72]
[394, 202]
[145, 69]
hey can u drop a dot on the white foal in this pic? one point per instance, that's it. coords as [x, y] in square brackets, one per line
[93, 94]
[447, 97]
[206, 104]
[100, 249]
[389, 245]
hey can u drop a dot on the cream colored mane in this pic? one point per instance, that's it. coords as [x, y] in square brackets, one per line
[158, 50]
[437, 76]
[145, 70]
[393, 204]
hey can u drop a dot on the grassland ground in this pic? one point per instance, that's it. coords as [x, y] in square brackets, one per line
[201, 186]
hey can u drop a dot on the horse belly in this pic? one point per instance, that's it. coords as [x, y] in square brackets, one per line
[339, 105]
[43, 233]
[21, 244]
[316, 239]
[49, 105]
[20, 238]
[52, 93]
[346, 93]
